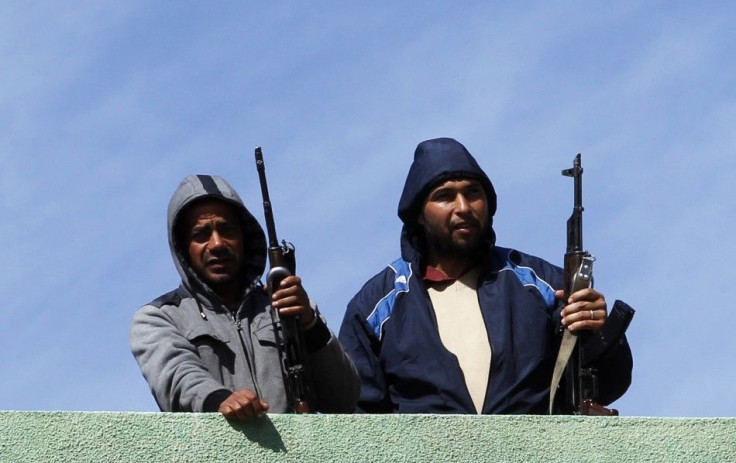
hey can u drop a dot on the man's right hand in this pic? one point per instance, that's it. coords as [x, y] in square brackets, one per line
[242, 404]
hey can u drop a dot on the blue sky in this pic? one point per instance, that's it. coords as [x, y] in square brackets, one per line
[106, 106]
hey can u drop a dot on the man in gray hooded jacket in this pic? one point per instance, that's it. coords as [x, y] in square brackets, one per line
[209, 345]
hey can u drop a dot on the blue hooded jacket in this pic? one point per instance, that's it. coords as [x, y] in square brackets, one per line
[391, 333]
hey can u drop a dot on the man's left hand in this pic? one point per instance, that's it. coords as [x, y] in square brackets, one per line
[585, 310]
[291, 299]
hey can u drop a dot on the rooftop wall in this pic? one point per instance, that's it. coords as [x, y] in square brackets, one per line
[159, 437]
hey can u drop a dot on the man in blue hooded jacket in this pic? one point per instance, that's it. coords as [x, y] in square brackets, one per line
[458, 324]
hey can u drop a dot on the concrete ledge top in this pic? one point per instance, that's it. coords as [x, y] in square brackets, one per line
[140, 437]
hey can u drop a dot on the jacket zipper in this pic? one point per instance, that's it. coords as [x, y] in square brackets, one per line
[250, 361]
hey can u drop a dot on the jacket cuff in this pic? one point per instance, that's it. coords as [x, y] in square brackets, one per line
[317, 336]
[212, 402]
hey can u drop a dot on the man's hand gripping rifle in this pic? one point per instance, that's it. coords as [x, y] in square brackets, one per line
[289, 332]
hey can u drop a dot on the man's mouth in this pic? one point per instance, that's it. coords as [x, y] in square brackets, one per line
[219, 262]
[464, 227]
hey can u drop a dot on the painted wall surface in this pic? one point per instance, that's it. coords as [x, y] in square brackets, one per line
[159, 437]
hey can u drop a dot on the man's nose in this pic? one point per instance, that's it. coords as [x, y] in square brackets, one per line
[216, 240]
[461, 203]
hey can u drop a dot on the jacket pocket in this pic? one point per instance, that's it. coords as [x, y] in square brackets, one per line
[263, 331]
[214, 351]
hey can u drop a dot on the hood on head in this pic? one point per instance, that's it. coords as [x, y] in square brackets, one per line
[436, 161]
[196, 187]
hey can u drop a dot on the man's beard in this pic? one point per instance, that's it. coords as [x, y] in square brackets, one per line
[450, 247]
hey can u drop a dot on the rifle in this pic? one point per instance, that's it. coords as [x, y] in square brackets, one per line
[581, 379]
[288, 330]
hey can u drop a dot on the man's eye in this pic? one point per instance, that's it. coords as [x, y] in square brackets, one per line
[442, 196]
[474, 192]
[199, 236]
[227, 230]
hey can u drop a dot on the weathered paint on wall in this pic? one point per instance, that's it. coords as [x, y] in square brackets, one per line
[158, 437]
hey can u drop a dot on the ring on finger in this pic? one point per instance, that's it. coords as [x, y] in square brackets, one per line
[592, 315]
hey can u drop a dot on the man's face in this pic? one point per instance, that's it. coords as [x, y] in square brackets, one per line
[455, 218]
[213, 237]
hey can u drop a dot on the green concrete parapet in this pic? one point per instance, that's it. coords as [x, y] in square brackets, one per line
[163, 437]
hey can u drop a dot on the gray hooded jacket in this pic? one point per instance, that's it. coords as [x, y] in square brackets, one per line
[193, 351]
